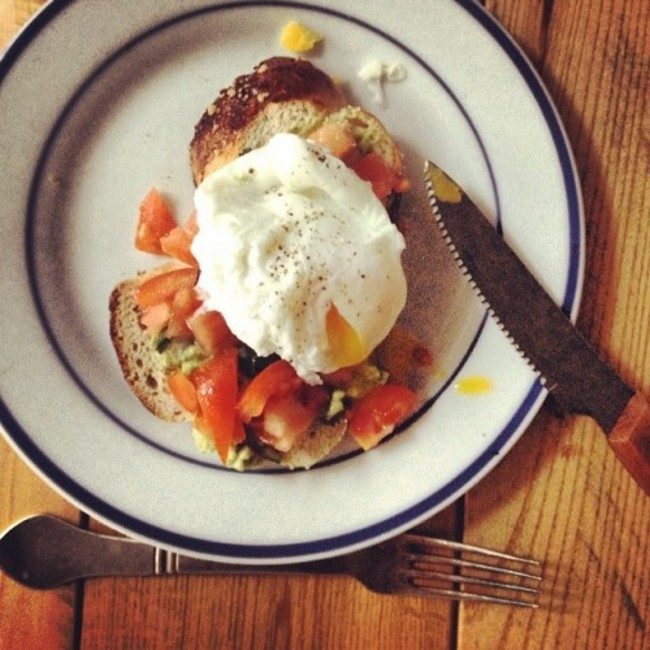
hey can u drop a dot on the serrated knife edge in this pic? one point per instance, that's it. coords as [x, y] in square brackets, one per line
[580, 381]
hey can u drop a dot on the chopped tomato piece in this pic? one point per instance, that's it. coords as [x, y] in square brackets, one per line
[162, 287]
[155, 221]
[216, 391]
[384, 180]
[239, 432]
[184, 391]
[278, 378]
[184, 303]
[211, 331]
[176, 243]
[191, 225]
[155, 318]
[376, 415]
[287, 417]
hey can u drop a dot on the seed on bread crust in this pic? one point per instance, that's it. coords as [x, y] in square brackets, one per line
[282, 93]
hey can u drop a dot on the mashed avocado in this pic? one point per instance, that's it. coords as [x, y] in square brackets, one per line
[240, 458]
[181, 355]
[364, 378]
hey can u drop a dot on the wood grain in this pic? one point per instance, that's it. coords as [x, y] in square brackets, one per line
[263, 612]
[559, 495]
[573, 503]
[31, 619]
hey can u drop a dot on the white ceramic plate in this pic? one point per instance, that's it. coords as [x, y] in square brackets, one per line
[98, 102]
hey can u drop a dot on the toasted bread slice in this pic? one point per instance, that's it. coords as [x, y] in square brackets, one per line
[141, 366]
[147, 376]
[281, 95]
[318, 443]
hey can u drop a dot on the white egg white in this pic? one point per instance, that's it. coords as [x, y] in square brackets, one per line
[285, 232]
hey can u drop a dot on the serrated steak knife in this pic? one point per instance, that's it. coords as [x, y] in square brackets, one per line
[570, 370]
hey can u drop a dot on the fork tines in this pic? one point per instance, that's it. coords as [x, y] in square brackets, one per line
[463, 572]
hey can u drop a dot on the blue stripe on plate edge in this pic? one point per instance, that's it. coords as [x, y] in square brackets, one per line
[105, 510]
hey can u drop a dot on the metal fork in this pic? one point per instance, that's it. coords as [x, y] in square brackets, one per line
[44, 551]
[424, 565]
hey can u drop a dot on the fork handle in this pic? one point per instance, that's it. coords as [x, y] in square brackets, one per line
[73, 554]
[170, 563]
[119, 556]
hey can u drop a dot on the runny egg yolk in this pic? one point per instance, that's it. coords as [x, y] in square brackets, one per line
[345, 342]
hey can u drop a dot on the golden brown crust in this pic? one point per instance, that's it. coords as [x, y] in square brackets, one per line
[221, 131]
[141, 367]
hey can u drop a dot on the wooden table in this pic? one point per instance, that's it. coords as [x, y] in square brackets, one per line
[560, 495]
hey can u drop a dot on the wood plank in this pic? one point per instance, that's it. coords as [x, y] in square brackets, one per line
[590, 521]
[263, 612]
[31, 619]
[13, 14]
[258, 612]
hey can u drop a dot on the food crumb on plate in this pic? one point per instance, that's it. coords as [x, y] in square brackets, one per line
[298, 38]
[376, 74]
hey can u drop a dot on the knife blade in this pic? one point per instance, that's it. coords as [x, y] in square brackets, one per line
[569, 368]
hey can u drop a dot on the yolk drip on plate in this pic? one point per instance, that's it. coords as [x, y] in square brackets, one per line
[446, 190]
[474, 385]
[298, 38]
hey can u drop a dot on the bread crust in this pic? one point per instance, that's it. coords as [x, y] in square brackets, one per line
[318, 442]
[147, 377]
[222, 132]
[142, 369]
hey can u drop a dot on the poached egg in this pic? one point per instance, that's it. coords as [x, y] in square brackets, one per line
[299, 256]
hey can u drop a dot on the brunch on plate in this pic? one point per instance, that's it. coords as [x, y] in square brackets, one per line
[261, 325]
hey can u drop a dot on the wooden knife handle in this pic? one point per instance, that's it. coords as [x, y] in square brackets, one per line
[630, 440]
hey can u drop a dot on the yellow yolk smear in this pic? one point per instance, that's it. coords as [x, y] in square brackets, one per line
[297, 38]
[446, 190]
[346, 343]
[473, 385]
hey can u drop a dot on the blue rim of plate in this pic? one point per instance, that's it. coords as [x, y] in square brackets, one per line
[91, 503]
